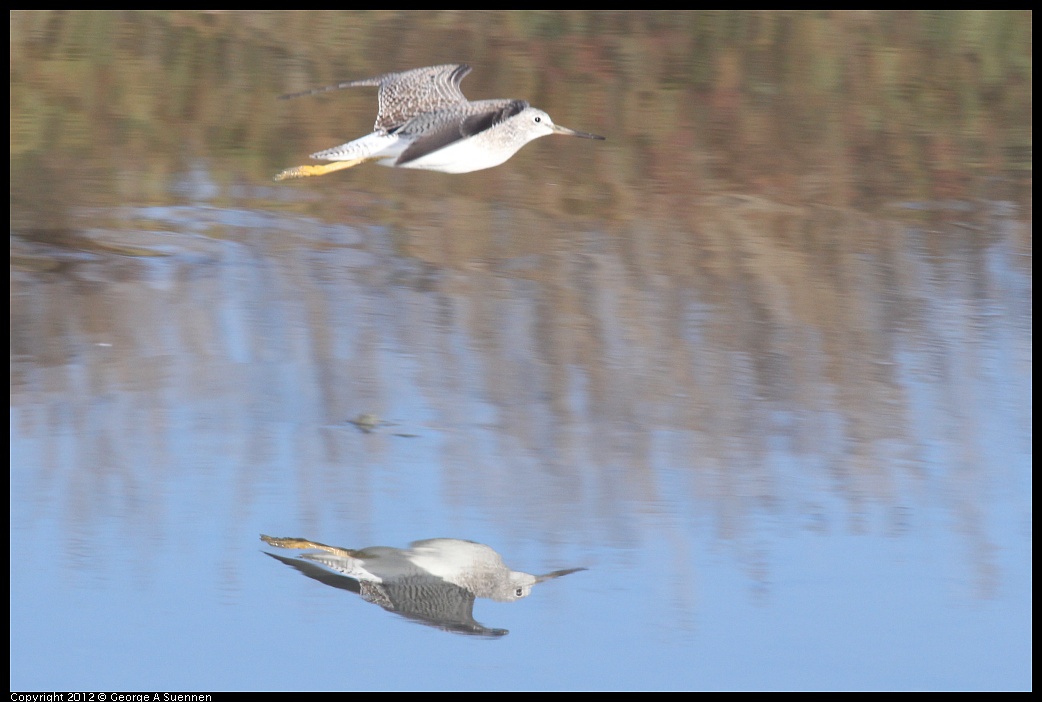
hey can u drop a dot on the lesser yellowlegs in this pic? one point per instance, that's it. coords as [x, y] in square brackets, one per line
[425, 122]
[472, 566]
[433, 582]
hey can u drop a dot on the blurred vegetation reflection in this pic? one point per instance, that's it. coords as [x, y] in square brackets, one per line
[808, 235]
[846, 108]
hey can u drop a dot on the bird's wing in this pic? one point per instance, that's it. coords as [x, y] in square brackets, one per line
[405, 95]
[317, 572]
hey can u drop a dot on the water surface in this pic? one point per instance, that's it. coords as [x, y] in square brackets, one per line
[761, 361]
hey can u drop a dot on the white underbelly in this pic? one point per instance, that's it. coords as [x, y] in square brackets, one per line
[460, 157]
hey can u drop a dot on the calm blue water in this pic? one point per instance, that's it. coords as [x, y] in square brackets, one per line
[788, 436]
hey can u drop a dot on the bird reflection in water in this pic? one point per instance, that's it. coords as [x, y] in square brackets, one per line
[434, 581]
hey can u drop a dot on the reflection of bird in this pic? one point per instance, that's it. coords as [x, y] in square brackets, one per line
[434, 581]
[424, 121]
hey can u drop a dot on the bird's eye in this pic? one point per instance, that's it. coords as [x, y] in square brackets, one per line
[519, 592]
[538, 119]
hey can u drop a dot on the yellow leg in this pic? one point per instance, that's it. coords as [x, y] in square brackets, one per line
[292, 542]
[307, 171]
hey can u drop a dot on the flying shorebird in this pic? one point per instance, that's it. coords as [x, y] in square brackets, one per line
[434, 581]
[425, 122]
